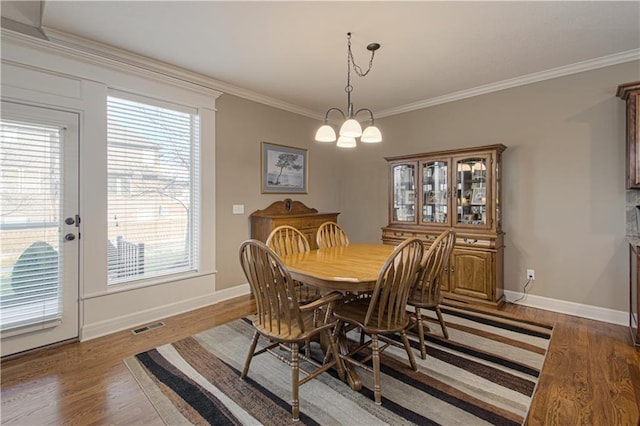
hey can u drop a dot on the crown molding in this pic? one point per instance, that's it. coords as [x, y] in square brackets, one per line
[592, 64]
[94, 52]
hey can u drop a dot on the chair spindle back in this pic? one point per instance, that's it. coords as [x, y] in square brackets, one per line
[285, 240]
[397, 277]
[433, 264]
[330, 234]
[272, 287]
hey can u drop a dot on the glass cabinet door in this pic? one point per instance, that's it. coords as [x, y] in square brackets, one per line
[404, 186]
[472, 191]
[435, 191]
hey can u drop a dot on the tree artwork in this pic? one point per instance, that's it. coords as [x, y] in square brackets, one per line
[289, 162]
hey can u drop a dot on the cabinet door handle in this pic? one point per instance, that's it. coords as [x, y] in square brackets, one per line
[468, 241]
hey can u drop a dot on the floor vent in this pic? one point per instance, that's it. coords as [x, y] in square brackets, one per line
[146, 328]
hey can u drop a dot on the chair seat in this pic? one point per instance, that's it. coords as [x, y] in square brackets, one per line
[270, 330]
[423, 300]
[355, 311]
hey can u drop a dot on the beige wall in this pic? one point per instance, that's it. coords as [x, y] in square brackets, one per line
[564, 196]
[241, 126]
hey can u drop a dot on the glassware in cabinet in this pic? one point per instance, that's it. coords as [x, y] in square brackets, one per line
[472, 191]
[435, 192]
[404, 189]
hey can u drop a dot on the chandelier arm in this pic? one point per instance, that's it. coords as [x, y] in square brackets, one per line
[326, 116]
[367, 110]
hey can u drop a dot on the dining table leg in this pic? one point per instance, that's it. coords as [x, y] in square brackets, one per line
[353, 380]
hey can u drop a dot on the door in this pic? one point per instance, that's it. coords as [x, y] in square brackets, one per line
[473, 200]
[403, 193]
[435, 192]
[471, 274]
[39, 229]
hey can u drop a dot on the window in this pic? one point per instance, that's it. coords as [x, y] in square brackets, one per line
[29, 191]
[153, 161]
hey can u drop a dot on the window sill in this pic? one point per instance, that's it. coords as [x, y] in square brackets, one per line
[151, 282]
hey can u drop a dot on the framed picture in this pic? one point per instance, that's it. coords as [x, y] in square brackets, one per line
[479, 196]
[284, 169]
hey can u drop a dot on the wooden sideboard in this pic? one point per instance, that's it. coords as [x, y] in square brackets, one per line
[288, 212]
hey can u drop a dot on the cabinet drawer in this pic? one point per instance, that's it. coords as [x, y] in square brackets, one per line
[397, 234]
[474, 242]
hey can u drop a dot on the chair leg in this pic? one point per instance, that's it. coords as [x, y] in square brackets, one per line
[423, 348]
[407, 347]
[442, 325]
[333, 347]
[252, 349]
[295, 378]
[377, 390]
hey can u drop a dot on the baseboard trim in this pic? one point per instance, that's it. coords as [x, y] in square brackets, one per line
[126, 322]
[569, 308]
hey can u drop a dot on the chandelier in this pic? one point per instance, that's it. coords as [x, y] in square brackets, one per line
[351, 129]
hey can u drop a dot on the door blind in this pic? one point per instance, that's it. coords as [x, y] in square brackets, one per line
[31, 189]
[153, 188]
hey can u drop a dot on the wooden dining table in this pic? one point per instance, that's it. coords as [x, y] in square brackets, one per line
[348, 269]
[352, 268]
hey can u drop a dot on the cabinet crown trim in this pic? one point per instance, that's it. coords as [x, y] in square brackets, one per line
[476, 149]
[286, 207]
[626, 89]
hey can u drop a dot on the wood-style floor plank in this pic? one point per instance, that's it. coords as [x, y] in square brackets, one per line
[591, 374]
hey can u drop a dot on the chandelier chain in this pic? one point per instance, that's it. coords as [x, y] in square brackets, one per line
[356, 67]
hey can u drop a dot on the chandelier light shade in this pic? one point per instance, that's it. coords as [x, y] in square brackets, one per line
[326, 134]
[371, 135]
[346, 142]
[351, 128]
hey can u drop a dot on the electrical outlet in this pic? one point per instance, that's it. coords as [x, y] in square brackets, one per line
[531, 274]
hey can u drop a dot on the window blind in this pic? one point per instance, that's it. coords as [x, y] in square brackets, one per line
[30, 290]
[153, 160]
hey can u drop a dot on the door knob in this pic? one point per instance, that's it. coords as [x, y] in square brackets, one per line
[70, 237]
[69, 221]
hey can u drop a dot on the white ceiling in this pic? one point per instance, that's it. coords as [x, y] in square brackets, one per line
[296, 51]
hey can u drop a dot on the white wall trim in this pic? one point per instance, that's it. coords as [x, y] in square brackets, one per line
[95, 52]
[605, 61]
[92, 50]
[109, 61]
[571, 308]
[125, 322]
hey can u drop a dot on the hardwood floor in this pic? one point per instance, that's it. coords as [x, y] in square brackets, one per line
[591, 374]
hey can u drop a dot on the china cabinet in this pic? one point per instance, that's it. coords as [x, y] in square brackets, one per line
[288, 212]
[630, 93]
[462, 189]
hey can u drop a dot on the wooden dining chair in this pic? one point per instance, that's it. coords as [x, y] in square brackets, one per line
[285, 240]
[383, 312]
[330, 234]
[426, 292]
[283, 320]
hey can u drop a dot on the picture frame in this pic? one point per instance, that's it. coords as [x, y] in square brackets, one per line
[284, 169]
[479, 196]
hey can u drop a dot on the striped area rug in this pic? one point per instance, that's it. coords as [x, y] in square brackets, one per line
[485, 373]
